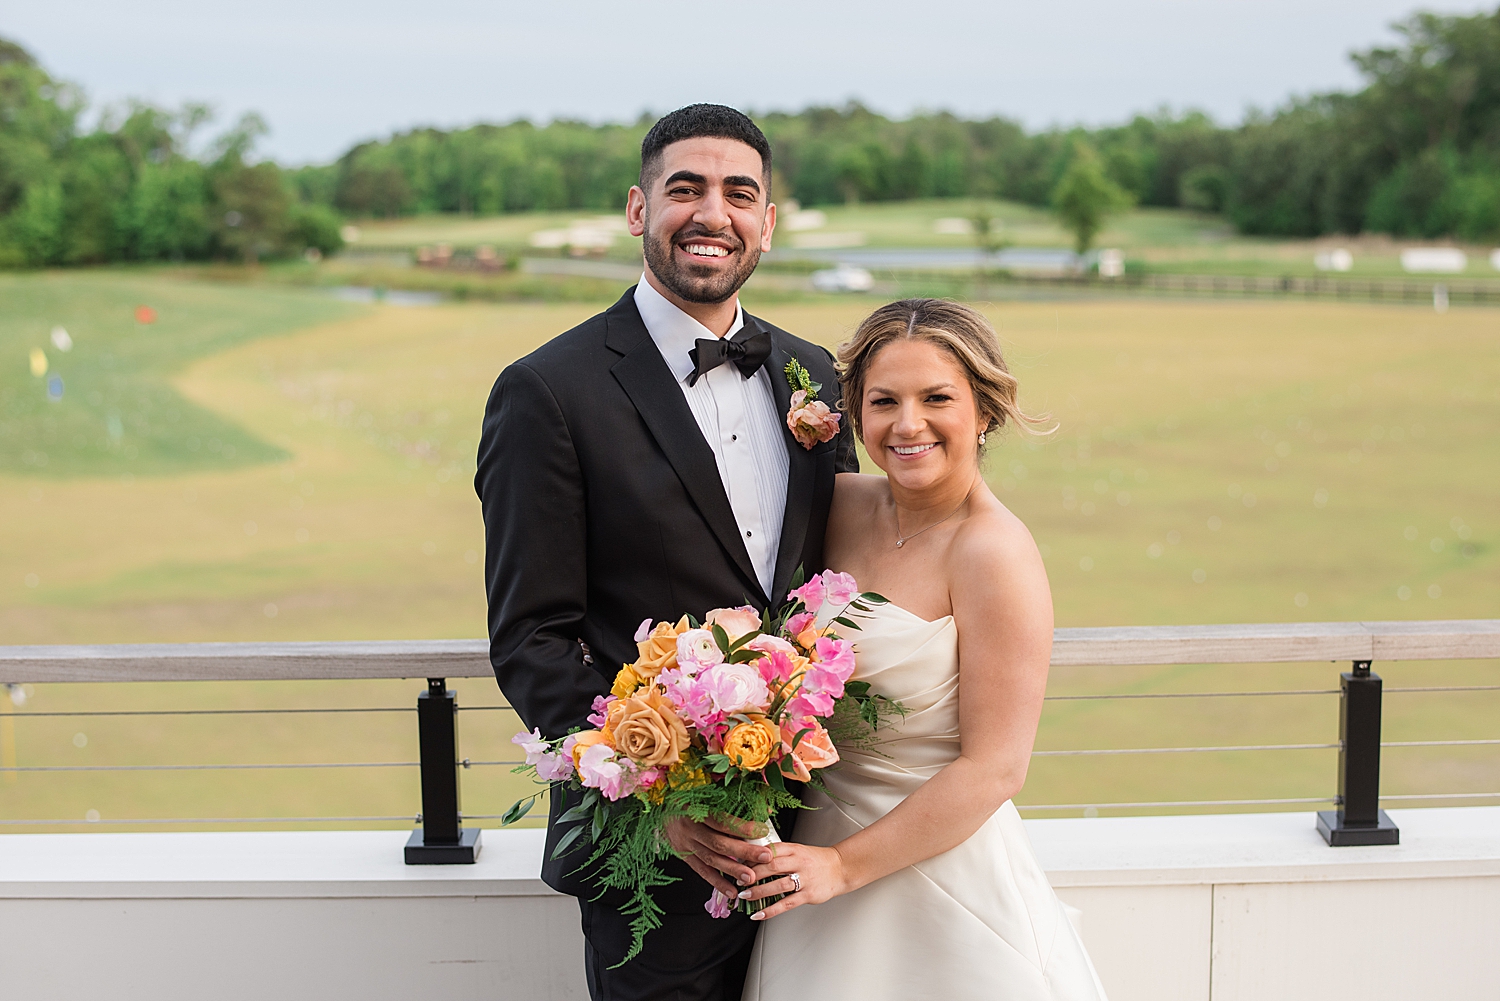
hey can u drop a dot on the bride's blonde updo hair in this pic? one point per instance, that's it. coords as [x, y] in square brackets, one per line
[962, 332]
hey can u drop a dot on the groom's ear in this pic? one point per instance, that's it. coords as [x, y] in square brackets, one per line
[767, 228]
[635, 211]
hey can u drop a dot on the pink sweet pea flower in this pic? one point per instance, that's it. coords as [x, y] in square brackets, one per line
[736, 622]
[841, 588]
[600, 715]
[533, 744]
[821, 680]
[693, 700]
[812, 594]
[810, 703]
[554, 767]
[777, 668]
[799, 622]
[719, 905]
[598, 769]
[835, 656]
[643, 630]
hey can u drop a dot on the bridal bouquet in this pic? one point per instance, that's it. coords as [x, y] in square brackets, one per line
[712, 719]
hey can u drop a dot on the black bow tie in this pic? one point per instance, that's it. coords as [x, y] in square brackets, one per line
[747, 350]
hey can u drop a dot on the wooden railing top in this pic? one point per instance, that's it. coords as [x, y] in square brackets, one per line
[1263, 643]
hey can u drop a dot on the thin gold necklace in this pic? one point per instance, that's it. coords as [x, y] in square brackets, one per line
[902, 540]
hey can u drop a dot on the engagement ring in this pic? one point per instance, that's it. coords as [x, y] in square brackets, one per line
[796, 882]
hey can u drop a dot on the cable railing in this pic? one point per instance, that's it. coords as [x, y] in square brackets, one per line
[1356, 817]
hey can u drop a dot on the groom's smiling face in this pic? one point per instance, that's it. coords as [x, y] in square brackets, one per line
[704, 217]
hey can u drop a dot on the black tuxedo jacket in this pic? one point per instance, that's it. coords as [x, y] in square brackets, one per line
[603, 506]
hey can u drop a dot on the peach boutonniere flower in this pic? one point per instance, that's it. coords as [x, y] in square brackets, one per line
[809, 418]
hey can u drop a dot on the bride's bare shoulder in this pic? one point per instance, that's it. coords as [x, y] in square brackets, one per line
[857, 491]
[992, 543]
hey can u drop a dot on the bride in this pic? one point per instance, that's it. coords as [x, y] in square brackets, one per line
[913, 876]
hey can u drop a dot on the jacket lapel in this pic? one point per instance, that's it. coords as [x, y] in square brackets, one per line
[659, 400]
[802, 469]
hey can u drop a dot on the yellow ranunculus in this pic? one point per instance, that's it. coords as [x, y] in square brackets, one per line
[749, 745]
[658, 651]
[626, 681]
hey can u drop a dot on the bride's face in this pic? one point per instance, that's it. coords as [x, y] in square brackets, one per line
[920, 420]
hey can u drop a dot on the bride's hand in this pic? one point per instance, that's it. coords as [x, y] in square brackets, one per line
[820, 870]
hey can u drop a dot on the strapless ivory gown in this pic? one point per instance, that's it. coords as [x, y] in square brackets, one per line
[978, 921]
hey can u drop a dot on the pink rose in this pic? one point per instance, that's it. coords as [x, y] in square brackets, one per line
[719, 905]
[735, 622]
[811, 423]
[841, 588]
[810, 594]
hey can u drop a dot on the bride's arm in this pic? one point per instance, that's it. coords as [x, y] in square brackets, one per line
[1003, 609]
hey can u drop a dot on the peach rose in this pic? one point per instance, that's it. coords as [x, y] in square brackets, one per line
[658, 651]
[811, 423]
[749, 745]
[735, 622]
[814, 750]
[649, 732]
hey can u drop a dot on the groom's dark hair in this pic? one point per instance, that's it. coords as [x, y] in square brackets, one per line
[697, 121]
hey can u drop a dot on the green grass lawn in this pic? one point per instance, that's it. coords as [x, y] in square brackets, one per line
[1164, 240]
[1215, 462]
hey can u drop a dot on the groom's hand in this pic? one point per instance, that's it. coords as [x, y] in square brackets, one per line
[717, 853]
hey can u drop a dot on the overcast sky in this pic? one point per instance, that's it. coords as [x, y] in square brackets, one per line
[328, 73]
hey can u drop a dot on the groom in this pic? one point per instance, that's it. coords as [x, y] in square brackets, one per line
[640, 466]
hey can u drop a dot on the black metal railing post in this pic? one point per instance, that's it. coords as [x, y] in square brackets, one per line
[1359, 820]
[442, 839]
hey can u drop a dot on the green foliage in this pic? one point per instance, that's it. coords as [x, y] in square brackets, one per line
[1204, 188]
[1085, 197]
[130, 191]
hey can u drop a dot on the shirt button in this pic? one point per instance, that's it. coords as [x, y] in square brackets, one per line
[734, 437]
[747, 535]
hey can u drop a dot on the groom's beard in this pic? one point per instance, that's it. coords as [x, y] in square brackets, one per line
[699, 282]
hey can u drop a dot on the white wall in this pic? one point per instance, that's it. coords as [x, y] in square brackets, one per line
[1228, 908]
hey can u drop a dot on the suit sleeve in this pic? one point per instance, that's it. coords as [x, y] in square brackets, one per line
[531, 491]
[846, 454]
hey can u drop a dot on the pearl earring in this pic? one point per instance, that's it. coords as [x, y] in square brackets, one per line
[981, 437]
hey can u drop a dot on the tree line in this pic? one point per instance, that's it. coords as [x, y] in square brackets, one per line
[129, 190]
[1415, 152]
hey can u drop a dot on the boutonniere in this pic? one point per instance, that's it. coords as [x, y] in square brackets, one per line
[809, 419]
